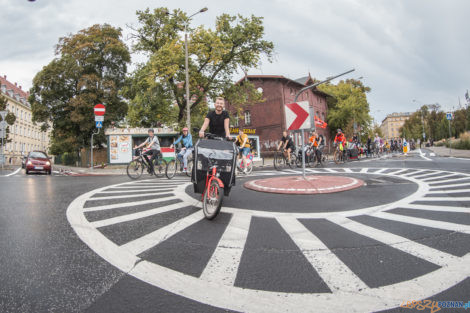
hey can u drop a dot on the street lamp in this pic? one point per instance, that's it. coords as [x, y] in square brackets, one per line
[188, 106]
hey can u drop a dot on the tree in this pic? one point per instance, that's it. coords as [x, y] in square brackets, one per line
[215, 56]
[89, 68]
[348, 105]
[10, 118]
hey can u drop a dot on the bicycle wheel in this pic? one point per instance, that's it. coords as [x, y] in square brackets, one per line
[170, 169]
[159, 167]
[190, 168]
[337, 156]
[212, 201]
[135, 169]
[279, 161]
[249, 168]
[294, 161]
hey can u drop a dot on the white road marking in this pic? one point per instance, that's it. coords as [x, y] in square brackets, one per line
[380, 171]
[347, 170]
[432, 154]
[449, 191]
[430, 179]
[144, 186]
[127, 204]
[449, 181]
[223, 265]
[330, 170]
[401, 243]
[13, 173]
[423, 222]
[397, 172]
[438, 208]
[414, 173]
[325, 262]
[154, 193]
[152, 239]
[450, 186]
[445, 199]
[364, 170]
[137, 215]
[429, 174]
[169, 189]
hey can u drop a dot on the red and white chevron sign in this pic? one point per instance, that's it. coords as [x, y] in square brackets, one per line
[298, 115]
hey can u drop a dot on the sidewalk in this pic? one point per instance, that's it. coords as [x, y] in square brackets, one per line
[79, 171]
[444, 152]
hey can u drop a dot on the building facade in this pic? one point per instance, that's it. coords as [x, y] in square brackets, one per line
[392, 123]
[25, 136]
[267, 120]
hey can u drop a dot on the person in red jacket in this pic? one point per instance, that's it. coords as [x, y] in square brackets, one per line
[340, 138]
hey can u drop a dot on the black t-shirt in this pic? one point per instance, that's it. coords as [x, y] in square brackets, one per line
[289, 141]
[216, 122]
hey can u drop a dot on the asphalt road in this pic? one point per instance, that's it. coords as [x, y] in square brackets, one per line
[108, 244]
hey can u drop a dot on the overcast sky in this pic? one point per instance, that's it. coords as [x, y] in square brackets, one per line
[403, 49]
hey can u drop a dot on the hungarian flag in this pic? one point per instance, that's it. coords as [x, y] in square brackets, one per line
[320, 123]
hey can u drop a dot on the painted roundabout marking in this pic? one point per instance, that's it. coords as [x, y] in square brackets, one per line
[216, 287]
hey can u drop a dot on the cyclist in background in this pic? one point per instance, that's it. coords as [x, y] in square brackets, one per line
[317, 142]
[340, 139]
[287, 144]
[187, 141]
[153, 145]
[244, 144]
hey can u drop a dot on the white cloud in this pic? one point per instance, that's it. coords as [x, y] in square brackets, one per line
[404, 49]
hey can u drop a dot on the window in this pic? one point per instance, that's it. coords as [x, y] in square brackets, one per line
[247, 118]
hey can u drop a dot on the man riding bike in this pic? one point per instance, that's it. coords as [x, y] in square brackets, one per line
[154, 149]
[317, 142]
[218, 121]
[288, 143]
[340, 140]
[244, 144]
[187, 149]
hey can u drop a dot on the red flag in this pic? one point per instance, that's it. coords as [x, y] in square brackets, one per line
[320, 123]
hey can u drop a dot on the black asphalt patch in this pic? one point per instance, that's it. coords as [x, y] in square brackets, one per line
[93, 216]
[272, 261]
[190, 250]
[451, 217]
[122, 233]
[376, 264]
[448, 241]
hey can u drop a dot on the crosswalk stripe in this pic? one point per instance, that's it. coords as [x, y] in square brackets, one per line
[445, 199]
[154, 193]
[397, 172]
[449, 186]
[223, 265]
[438, 208]
[422, 222]
[152, 239]
[331, 170]
[364, 170]
[347, 170]
[137, 190]
[127, 204]
[401, 243]
[414, 173]
[448, 191]
[448, 181]
[428, 174]
[380, 171]
[137, 187]
[325, 262]
[135, 216]
[439, 177]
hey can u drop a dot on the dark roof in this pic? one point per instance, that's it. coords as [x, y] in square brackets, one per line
[302, 80]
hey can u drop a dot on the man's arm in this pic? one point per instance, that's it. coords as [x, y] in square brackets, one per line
[204, 127]
[227, 128]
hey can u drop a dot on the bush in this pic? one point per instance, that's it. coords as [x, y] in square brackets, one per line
[463, 143]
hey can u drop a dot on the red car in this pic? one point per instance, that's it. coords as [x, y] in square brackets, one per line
[38, 161]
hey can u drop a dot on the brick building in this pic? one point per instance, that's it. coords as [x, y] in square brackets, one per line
[25, 135]
[266, 120]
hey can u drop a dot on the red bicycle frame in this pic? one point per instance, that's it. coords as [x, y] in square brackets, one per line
[211, 175]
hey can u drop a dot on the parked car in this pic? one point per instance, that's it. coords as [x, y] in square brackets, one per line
[38, 161]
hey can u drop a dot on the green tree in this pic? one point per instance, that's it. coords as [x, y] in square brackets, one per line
[10, 118]
[348, 105]
[89, 68]
[215, 56]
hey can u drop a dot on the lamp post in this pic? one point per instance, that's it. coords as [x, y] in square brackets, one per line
[186, 60]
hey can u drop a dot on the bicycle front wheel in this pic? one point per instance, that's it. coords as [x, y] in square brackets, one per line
[294, 161]
[190, 168]
[135, 169]
[337, 156]
[170, 170]
[212, 201]
[249, 168]
[159, 168]
[279, 161]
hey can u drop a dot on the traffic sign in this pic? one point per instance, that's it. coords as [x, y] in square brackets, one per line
[3, 114]
[449, 116]
[100, 109]
[99, 118]
[297, 115]
[99, 124]
[3, 124]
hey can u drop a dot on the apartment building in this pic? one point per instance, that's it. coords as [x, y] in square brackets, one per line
[392, 123]
[25, 135]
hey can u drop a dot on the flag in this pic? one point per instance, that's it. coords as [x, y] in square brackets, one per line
[320, 123]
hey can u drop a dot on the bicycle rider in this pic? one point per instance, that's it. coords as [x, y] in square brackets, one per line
[154, 149]
[288, 143]
[244, 144]
[218, 121]
[187, 141]
[317, 142]
[340, 139]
